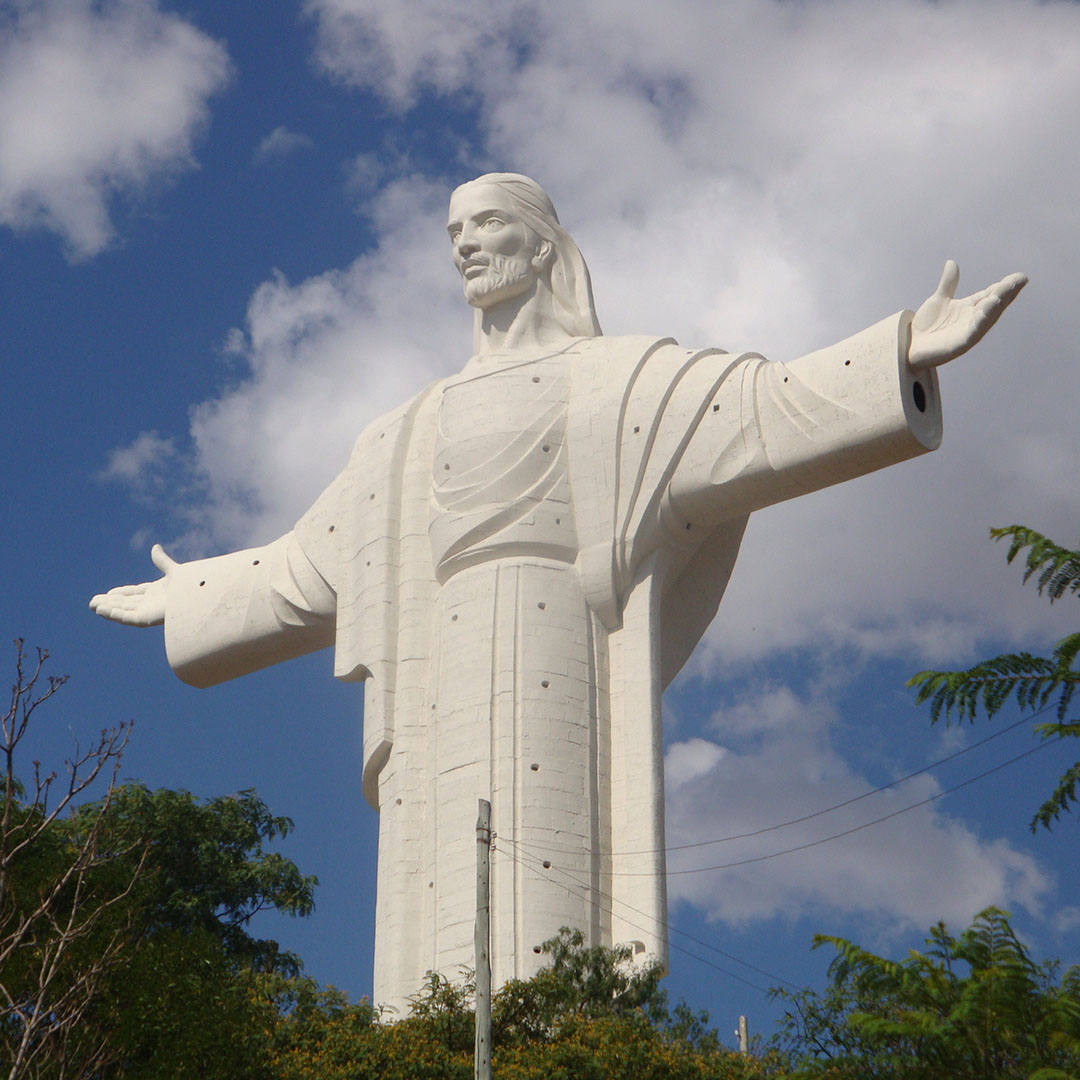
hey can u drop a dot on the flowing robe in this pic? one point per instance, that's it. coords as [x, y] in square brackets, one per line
[516, 563]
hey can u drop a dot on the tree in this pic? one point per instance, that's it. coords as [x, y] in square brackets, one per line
[198, 992]
[976, 1007]
[61, 931]
[589, 1014]
[125, 943]
[1034, 681]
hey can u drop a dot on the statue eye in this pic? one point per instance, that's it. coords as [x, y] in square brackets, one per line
[493, 223]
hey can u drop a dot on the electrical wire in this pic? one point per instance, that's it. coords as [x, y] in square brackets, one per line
[524, 859]
[837, 806]
[854, 829]
[545, 869]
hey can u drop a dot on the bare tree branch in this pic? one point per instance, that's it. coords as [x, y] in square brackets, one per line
[53, 895]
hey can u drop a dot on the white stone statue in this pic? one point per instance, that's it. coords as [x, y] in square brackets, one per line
[517, 562]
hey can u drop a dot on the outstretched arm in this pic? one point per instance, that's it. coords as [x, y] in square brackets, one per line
[139, 605]
[230, 614]
[945, 327]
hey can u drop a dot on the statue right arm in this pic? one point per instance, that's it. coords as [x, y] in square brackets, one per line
[232, 614]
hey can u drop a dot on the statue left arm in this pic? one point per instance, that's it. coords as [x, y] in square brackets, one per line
[776, 431]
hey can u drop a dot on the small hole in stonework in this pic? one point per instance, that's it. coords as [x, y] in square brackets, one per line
[785, 378]
[544, 683]
[331, 529]
[453, 618]
[431, 884]
[397, 802]
[383, 435]
[637, 428]
[847, 363]
[541, 605]
[536, 949]
[255, 562]
[534, 767]
[201, 584]
[433, 706]
[688, 526]
[546, 449]
[446, 467]
[369, 562]
[919, 394]
[558, 521]
[372, 495]
[716, 408]
[536, 378]
[547, 864]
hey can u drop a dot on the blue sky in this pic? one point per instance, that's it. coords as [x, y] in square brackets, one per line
[222, 252]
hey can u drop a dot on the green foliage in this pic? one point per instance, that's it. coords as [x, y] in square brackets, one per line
[189, 1002]
[1035, 682]
[588, 1014]
[973, 1007]
[1058, 568]
[578, 982]
[186, 1001]
[208, 870]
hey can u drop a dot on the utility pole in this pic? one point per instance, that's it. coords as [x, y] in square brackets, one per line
[744, 1036]
[482, 942]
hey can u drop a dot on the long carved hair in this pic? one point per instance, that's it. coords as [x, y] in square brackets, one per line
[570, 284]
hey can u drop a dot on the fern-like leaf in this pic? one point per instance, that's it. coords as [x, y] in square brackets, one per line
[990, 684]
[1032, 681]
[1058, 568]
[1061, 799]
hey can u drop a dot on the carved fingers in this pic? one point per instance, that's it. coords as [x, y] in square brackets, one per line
[138, 605]
[944, 327]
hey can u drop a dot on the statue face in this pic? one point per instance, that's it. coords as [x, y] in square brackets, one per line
[494, 250]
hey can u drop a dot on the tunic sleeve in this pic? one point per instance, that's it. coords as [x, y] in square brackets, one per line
[775, 431]
[234, 614]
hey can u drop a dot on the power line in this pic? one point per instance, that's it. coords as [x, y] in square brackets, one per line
[545, 868]
[667, 927]
[523, 858]
[847, 832]
[854, 799]
[828, 809]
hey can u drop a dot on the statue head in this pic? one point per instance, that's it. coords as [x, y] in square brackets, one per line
[524, 244]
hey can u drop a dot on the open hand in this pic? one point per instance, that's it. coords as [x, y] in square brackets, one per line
[138, 605]
[945, 327]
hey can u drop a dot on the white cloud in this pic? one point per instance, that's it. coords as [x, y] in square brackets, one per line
[1066, 919]
[280, 143]
[96, 99]
[139, 459]
[748, 174]
[776, 176]
[751, 174]
[326, 356]
[909, 872]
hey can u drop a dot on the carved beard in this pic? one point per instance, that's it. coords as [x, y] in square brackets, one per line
[504, 277]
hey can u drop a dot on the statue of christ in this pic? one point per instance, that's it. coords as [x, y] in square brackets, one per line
[517, 561]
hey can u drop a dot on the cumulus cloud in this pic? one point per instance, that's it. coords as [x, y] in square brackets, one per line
[96, 99]
[776, 177]
[907, 872]
[750, 174]
[325, 356]
[142, 457]
[279, 144]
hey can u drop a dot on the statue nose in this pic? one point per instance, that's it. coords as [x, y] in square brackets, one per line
[467, 248]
